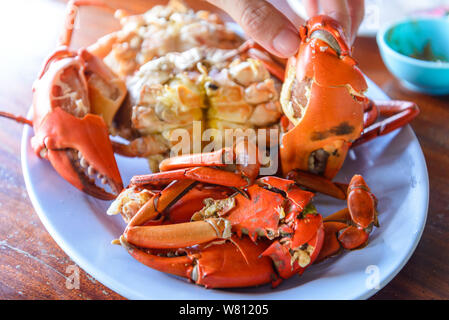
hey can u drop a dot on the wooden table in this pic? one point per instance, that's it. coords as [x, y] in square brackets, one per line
[32, 266]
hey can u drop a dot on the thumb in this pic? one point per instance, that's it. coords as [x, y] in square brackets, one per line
[264, 24]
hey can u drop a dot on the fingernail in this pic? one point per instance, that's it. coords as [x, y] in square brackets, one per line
[286, 42]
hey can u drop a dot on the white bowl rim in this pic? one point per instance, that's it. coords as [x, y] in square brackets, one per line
[383, 45]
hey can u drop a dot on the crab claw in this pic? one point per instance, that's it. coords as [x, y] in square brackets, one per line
[350, 227]
[361, 202]
[325, 109]
[75, 99]
[67, 132]
[79, 149]
[236, 263]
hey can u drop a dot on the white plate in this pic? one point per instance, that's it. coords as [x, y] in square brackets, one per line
[393, 166]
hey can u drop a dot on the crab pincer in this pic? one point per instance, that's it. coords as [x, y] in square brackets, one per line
[349, 228]
[74, 100]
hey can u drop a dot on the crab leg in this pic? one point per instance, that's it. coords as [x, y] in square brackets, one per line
[361, 202]
[242, 158]
[399, 114]
[230, 167]
[217, 158]
[361, 210]
[318, 183]
[235, 263]
[349, 236]
[178, 235]
[19, 119]
[331, 245]
[201, 174]
[349, 228]
[161, 201]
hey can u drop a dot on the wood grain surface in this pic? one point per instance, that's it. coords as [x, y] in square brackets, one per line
[32, 266]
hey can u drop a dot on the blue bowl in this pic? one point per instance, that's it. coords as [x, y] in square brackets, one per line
[401, 43]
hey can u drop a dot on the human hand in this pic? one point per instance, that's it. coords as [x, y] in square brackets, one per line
[264, 23]
[349, 13]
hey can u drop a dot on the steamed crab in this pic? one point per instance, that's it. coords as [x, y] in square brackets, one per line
[224, 238]
[160, 30]
[217, 89]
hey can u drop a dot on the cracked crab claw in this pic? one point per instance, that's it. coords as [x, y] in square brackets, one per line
[74, 99]
[323, 99]
[75, 141]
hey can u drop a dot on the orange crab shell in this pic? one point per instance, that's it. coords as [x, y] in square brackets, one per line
[87, 135]
[57, 130]
[325, 108]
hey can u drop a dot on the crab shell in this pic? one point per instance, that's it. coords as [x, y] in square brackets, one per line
[65, 130]
[199, 92]
[162, 29]
[323, 99]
